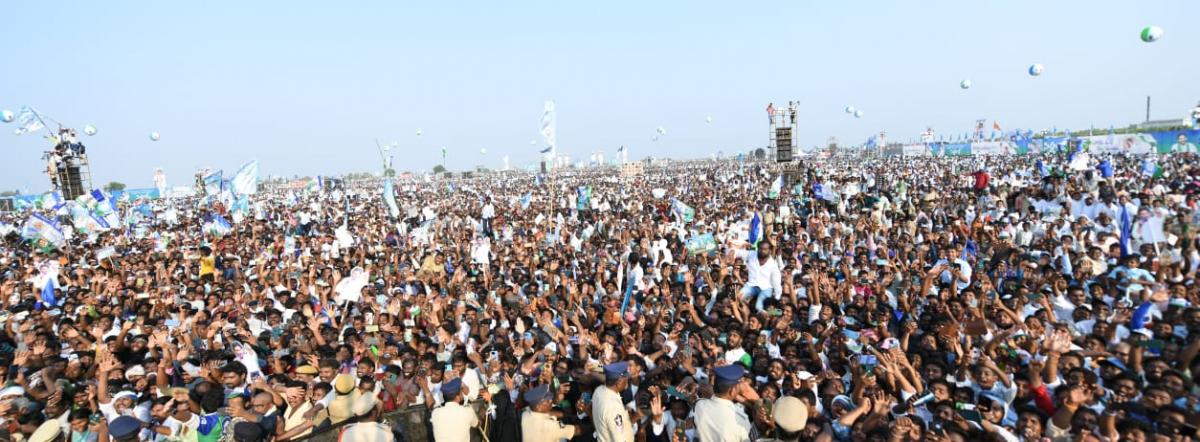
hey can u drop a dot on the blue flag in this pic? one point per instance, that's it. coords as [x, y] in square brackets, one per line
[48, 296]
[1041, 167]
[1138, 319]
[755, 230]
[1106, 168]
[1126, 231]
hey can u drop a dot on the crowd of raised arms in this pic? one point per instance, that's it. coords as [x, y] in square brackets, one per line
[850, 299]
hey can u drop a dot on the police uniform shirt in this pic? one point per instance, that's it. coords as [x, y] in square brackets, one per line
[720, 420]
[542, 427]
[610, 417]
[452, 422]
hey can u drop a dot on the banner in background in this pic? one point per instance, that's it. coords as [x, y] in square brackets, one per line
[1177, 141]
[915, 150]
[1139, 143]
[1003, 147]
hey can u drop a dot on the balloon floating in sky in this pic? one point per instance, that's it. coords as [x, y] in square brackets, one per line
[418, 132]
[965, 84]
[661, 131]
[858, 113]
[7, 116]
[483, 151]
[532, 142]
[655, 138]
[1151, 34]
[153, 136]
[89, 130]
[850, 109]
[1036, 69]
[708, 119]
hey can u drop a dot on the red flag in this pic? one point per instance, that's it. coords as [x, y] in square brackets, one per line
[995, 125]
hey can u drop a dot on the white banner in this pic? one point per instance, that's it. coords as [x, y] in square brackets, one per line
[1001, 147]
[1124, 143]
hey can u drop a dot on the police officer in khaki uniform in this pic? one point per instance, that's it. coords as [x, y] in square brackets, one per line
[608, 410]
[722, 418]
[537, 425]
[453, 421]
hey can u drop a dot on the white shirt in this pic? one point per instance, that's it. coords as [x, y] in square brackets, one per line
[764, 275]
[489, 211]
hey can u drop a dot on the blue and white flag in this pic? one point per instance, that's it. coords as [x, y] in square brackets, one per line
[1106, 168]
[44, 232]
[218, 226]
[685, 212]
[548, 126]
[776, 187]
[52, 201]
[525, 200]
[389, 197]
[584, 197]
[245, 181]
[48, 295]
[212, 182]
[823, 192]
[28, 120]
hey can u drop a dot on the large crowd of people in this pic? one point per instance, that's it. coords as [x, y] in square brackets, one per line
[936, 298]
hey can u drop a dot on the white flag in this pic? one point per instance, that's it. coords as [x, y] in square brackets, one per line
[245, 181]
[28, 120]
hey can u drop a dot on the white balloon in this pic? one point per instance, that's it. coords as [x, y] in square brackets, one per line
[850, 109]
[483, 151]
[661, 130]
[1036, 69]
[532, 142]
[418, 132]
[7, 116]
[655, 138]
[89, 130]
[708, 119]
[858, 113]
[965, 84]
[153, 136]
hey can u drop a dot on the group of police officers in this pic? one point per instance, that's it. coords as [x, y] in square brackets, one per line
[719, 418]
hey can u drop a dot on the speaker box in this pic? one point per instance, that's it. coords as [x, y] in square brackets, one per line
[783, 144]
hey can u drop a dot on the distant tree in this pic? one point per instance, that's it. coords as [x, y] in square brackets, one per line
[114, 185]
[439, 169]
[389, 173]
[9, 193]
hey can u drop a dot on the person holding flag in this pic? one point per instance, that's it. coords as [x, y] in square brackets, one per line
[764, 279]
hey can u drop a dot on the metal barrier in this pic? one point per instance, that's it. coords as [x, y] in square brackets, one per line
[409, 425]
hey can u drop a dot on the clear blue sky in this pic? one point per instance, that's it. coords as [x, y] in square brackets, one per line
[306, 87]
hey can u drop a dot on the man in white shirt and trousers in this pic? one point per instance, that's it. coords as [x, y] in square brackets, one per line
[489, 212]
